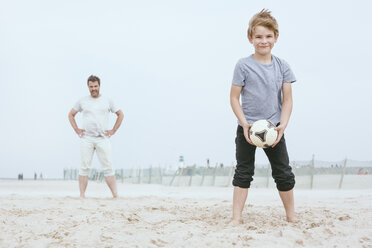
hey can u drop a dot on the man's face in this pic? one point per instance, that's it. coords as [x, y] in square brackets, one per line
[263, 40]
[93, 88]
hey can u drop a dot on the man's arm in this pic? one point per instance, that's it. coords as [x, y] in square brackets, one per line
[286, 110]
[238, 111]
[71, 118]
[119, 119]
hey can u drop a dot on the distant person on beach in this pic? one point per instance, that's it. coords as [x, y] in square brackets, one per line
[95, 135]
[263, 81]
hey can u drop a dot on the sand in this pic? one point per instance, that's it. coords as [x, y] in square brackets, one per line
[50, 214]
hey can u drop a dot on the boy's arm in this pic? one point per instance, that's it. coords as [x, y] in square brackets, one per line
[237, 109]
[286, 110]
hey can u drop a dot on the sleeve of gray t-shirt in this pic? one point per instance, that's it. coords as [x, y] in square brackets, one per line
[77, 106]
[113, 107]
[239, 75]
[288, 75]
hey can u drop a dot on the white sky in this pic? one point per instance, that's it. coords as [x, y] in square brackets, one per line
[169, 65]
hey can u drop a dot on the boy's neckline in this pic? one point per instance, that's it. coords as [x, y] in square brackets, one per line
[264, 64]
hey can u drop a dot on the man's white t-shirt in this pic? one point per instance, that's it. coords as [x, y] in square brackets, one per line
[95, 114]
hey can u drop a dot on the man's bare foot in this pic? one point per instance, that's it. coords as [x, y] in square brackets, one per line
[291, 219]
[234, 222]
[82, 196]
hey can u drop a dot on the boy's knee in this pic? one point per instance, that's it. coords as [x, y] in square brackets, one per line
[244, 185]
[285, 184]
[242, 182]
[243, 175]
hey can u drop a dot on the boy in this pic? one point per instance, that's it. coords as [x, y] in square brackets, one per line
[264, 83]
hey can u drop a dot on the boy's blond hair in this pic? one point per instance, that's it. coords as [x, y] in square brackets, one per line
[265, 19]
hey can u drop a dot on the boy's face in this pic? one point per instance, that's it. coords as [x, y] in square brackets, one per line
[263, 40]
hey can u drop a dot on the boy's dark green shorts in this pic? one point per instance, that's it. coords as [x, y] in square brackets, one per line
[278, 157]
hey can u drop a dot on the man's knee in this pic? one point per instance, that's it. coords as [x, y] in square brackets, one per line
[108, 172]
[84, 171]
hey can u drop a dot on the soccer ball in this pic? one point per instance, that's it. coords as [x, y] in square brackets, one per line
[263, 134]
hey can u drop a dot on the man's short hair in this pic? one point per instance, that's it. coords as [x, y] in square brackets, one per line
[265, 19]
[93, 78]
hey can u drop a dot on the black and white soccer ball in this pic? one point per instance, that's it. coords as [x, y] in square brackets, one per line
[263, 133]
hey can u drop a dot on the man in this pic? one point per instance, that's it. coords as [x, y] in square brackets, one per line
[95, 136]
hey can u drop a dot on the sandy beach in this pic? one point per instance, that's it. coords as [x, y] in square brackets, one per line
[50, 214]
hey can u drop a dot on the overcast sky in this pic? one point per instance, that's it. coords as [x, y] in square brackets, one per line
[168, 65]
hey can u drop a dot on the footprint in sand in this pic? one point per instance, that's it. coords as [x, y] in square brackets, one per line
[159, 242]
[342, 218]
[251, 228]
[299, 242]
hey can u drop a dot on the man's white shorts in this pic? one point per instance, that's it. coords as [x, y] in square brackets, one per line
[102, 146]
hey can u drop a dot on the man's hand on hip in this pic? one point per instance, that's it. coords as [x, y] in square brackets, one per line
[80, 132]
[109, 133]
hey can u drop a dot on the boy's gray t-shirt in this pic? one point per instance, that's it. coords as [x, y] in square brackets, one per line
[261, 96]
